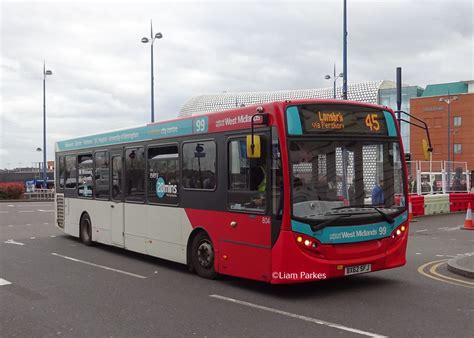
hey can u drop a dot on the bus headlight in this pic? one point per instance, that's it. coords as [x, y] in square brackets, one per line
[399, 231]
[306, 242]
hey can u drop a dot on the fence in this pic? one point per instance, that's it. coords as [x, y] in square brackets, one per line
[438, 177]
[40, 195]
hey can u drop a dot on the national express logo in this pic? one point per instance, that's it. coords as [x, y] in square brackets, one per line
[163, 189]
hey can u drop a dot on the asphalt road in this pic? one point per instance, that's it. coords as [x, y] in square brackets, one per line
[52, 285]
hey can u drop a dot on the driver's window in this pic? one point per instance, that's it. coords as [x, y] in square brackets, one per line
[248, 177]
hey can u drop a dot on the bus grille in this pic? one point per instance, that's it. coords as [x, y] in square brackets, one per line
[60, 210]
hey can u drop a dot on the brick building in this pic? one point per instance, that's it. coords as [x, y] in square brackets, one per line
[433, 109]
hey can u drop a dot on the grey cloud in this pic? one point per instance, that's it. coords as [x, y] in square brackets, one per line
[101, 77]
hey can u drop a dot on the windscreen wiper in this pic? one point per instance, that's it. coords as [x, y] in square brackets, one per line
[329, 221]
[384, 215]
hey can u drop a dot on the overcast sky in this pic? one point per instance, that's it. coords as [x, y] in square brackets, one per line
[101, 70]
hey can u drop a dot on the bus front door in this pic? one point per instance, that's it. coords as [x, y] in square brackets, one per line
[116, 203]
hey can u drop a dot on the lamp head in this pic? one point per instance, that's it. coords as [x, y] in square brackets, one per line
[39, 149]
[145, 40]
[158, 35]
[341, 75]
[48, 72]
[327, 77]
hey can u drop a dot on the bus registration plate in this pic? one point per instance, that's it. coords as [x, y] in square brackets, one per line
[353, 270]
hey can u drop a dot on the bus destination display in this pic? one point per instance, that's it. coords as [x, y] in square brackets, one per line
[330, 120]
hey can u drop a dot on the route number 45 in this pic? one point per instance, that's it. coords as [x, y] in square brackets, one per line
[372, 123]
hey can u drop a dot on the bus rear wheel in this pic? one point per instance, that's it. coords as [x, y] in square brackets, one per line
[85, 230]
[202, 256]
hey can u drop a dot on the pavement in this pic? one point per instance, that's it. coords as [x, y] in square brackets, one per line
[53, 285]
[463, 266]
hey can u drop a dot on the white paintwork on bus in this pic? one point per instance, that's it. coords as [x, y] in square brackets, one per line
[154, 230]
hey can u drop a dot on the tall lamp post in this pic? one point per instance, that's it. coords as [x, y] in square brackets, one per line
[448, 100]
[334, 78]
[45, 173]
[344, 53]
[151, 41]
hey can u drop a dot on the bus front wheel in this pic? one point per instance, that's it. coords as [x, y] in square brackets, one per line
[85, 230]
[203, 256]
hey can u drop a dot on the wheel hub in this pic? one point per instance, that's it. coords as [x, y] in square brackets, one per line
[205, 254]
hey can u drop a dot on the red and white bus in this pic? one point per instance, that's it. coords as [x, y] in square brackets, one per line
[283, 192]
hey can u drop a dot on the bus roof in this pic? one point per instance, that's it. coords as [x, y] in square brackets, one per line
[239, 118]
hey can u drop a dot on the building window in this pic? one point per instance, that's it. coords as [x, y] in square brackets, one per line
[199, 165]
[247, 178]
[135, 174]
[71, 172]
[102, 185]
[163, 174]
[457, 121]
[457, 148]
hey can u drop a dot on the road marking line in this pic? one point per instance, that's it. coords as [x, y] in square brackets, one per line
[32, 237]
[3, 212]
[11, 241]
[98, 266]
[418, 253]
[433, 271]
[11, 205]
[26, 211]
[443, 228]
[10, 225]
[4, 282]
[28, 224]
[52, 236]
[421, 271]
[296, 316]
[422, 230]
[45, 210]
[439, 255]
[45, 223]
[453, 228]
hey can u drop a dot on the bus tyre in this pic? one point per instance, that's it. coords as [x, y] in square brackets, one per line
[85, 230]
[202, 256]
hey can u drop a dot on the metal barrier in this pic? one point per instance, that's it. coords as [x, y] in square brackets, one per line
[438, 177]
[40, 195]
[436, 204]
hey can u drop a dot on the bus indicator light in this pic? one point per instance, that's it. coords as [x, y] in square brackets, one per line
[299, 239]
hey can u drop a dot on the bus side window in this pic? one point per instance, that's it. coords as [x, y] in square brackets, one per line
[199, 165]
[61, 173]
[135, 174]
[70, 173]
[163, 174]
[102, 185]
[248, 178]
[116, 178]
[84, 164]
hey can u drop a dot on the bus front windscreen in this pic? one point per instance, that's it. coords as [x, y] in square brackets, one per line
[344, 180]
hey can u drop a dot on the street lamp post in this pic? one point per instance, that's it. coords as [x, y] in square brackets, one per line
[334, 78]
[344, 53]
[151, 40]
[45, 173]
[448, 100]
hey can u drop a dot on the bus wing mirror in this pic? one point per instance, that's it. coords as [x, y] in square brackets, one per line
[253, 146]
